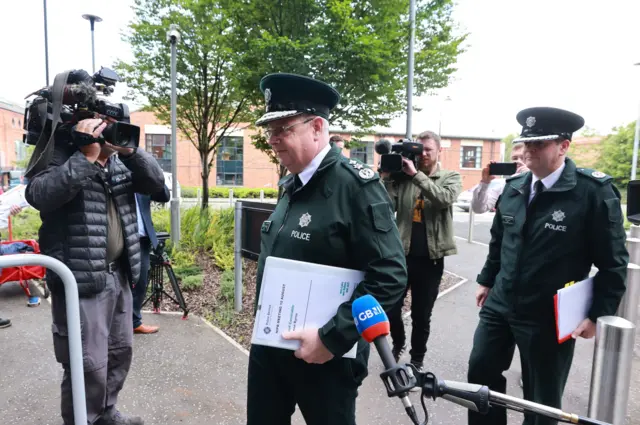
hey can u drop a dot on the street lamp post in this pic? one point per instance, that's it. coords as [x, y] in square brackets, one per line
[412, 23]
[447, 99]
[173, 36]
[635, 144]
[93, 19]
[46, 42]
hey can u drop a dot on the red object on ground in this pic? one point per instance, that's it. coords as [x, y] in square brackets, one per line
[22, 274]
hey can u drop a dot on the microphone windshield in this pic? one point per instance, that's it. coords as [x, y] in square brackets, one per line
[371, 320]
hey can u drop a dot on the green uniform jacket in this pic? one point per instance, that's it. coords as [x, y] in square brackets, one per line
[440, 191]
[348, 222]
[570, 226]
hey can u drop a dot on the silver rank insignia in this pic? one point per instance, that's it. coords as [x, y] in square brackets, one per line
[366, 173]
[357, 166]
[598, 174]
[352, 162]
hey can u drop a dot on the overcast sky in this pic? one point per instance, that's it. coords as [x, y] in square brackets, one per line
[573, 54]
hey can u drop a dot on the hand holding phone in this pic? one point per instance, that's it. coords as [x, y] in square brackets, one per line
[502, 168]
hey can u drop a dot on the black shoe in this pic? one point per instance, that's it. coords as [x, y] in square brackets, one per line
[114, 417]
[397, 352]
[4, 323]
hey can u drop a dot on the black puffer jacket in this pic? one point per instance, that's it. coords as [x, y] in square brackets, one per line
[71, 195]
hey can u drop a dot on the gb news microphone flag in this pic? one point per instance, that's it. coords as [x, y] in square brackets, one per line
[371, 320]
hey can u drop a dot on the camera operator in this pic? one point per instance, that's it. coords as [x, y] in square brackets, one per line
[86, 201]
[423, 201]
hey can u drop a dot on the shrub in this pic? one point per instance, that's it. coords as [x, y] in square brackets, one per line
[219, 238]
[238, 192]
[24, 225]
[227, 286]
[192, 282]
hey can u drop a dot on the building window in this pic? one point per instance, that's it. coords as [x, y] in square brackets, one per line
[159, 146]
[229, 162]
[471, 157]
[363, 153]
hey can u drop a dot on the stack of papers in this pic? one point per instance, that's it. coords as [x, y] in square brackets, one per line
[572, 305]
[296, 295]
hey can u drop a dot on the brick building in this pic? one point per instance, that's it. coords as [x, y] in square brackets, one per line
[11, 147]
[238, 163]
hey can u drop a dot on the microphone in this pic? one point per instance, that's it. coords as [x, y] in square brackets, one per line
[373, 325]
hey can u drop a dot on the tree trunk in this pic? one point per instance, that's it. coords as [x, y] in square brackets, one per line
[204, 161]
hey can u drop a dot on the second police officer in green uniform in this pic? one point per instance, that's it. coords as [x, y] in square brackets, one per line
[333, 211]
[551, 225]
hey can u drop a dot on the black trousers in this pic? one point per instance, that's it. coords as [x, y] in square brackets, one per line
[545, 363]
[326, 394]
[424, 276]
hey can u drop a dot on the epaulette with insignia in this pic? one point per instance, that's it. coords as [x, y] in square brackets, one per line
[363, 172]
[598, 176]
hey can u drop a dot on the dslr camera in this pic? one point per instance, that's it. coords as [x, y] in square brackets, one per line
[391, 154]
[80, 100]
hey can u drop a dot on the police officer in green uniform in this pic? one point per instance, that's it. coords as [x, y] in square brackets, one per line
[333, 211]
[551, 225]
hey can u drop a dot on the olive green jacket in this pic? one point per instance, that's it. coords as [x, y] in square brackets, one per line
[440, 191]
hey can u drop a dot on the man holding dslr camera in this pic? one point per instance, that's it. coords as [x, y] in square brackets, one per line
[87, 204]
[423, 199]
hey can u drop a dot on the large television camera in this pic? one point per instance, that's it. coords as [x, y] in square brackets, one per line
[391, 154]
[79, 98]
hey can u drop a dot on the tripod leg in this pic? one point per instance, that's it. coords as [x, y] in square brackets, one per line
[176, 290]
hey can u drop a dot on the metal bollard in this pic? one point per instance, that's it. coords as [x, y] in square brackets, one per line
[73, 322]
[611, 373]
[230, 197]
[634, 232]
[237, 259]
[471, 224]
[628, 308]
[633, 246]
[261, 195]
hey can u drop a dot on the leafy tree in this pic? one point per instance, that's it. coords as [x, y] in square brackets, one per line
[359, 47]
[617, 154]
[210, 102]
[508, 144]
[22, 163]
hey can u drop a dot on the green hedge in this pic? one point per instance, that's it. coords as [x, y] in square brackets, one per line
[223, 192]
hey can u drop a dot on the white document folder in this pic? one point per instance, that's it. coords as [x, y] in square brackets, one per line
[572, 305]
[297, 295]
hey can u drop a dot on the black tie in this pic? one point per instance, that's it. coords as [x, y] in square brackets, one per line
[297, 183]
[538, 188]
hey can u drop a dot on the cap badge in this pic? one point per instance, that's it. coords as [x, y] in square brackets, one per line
[531, 121]
[267, 97]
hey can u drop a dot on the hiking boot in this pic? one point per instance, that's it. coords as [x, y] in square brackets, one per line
[4, 323]
[114, 417]
[397, 352]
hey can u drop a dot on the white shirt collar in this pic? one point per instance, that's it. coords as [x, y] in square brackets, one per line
[548, 181]
[306, 174]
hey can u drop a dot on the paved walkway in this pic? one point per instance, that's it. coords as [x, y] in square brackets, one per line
[189, 374]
